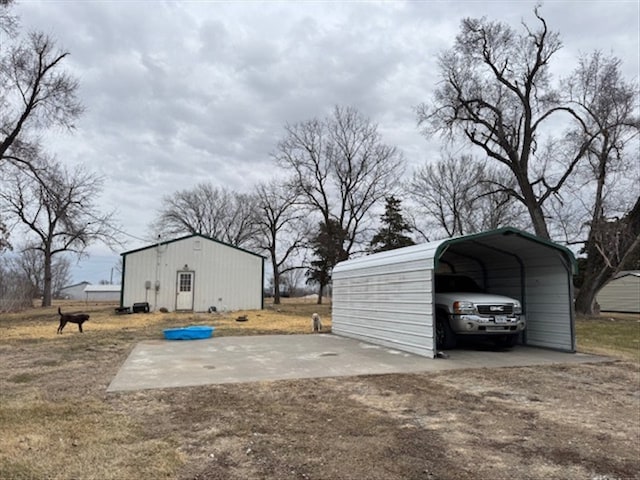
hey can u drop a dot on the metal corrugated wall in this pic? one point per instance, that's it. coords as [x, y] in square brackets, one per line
[549, 306]
[621, 294]
[387, 304]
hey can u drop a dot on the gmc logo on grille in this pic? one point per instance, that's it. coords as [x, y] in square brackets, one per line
[497, 308]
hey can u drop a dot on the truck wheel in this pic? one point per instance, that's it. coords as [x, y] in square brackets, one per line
[445, 338]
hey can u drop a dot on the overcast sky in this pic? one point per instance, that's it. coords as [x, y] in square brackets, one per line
[182, 92]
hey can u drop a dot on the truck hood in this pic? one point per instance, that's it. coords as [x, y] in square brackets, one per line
[477, 298]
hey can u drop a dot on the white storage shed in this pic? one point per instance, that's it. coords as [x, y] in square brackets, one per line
[622, 294]
[74, 292]
[192, 273]
[102, 293]
[387, 298]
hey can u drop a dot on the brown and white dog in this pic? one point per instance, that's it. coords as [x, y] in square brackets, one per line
[316, 323]
[78, 318]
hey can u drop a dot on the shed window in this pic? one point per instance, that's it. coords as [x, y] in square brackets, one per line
[185, 282]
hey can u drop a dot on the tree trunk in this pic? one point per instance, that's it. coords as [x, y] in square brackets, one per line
[586, 299]
[276, 279]
[534, 209]
[320, 294]
[539, 222]
[46, 287]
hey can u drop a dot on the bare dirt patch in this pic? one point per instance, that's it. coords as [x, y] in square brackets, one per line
[58, 422]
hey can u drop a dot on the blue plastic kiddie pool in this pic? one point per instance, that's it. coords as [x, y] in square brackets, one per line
[193, 332]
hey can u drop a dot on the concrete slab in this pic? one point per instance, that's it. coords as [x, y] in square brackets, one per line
[163, 364]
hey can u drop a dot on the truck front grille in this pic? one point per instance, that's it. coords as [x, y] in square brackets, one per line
[506, 309]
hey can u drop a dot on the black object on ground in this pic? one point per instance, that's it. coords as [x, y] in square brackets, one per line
[141, 307]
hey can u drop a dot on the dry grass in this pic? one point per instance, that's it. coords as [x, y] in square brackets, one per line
[58, 422]
[615, 334]
[290, 317]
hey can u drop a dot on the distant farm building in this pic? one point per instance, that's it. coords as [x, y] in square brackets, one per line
[73, 292]
[102, 293]
[193, 273]
[622, 294]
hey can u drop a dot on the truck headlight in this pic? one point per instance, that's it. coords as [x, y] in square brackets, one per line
[517, 308]
[462, 308]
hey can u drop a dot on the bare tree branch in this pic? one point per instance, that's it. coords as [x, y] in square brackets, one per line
[207, 210]
[58, 208]
[496, 93]
[281, 228]
[341, 168]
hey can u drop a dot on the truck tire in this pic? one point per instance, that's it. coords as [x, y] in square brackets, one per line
[445, 338]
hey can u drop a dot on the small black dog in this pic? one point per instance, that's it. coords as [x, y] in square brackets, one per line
[78, 318]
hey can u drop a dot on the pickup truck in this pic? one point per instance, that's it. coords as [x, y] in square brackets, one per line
[463, 308]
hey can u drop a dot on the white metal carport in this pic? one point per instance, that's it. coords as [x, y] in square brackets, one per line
[387, 298]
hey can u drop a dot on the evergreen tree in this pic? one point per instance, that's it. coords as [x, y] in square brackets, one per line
[328, 248]
[391, 234]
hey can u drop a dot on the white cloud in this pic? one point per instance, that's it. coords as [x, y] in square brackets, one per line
[183, 92]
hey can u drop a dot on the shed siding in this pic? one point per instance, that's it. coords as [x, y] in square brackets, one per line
[102, 296]
[548, 310]
[224, 277]
[389, 305]
[621, 295]
[74, 292]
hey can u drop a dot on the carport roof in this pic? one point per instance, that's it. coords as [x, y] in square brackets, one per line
[504, 240]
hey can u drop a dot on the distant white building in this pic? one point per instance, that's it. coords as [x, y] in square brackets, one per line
[74, 292]
[102, 293]
[622, 294]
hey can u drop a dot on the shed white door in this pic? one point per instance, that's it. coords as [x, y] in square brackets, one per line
[184, 293]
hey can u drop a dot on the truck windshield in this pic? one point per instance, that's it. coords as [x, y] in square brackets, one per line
[456, 283]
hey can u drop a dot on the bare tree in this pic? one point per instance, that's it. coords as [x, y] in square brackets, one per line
[35, 91]
[8, 22]
[58, 210]
[207, 210]
[294, 278]
[31, 263]
[4, 236]
[608, 105]
[281, 229]
[496, 92]
[342, 168]
[15, 291]
[458, 195]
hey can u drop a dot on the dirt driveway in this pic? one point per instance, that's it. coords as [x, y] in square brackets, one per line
[552, 422]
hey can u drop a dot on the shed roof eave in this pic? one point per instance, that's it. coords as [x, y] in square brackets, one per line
[185, 237]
